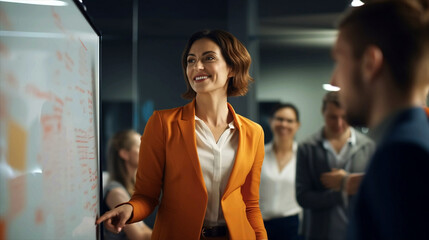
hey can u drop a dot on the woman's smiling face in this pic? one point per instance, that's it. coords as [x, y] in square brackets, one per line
[206, 69]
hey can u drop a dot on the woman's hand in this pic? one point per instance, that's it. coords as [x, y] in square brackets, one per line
[115, 219]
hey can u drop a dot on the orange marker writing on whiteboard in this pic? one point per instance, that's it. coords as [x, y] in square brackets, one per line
[2, 229]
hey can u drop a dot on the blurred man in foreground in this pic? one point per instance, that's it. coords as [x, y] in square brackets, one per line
[382, 58]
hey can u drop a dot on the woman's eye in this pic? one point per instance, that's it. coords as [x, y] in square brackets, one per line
[210, 58]
[191, 60]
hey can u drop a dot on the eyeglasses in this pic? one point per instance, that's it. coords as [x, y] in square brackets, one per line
[288, 120]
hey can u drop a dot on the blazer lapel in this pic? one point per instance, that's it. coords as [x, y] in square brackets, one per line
[241, 157]
[187, 128]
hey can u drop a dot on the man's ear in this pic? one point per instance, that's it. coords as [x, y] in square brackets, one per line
[123, 153]
[372, 62]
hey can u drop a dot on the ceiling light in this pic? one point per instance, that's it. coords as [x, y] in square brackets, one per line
[329, 87]
[357, 3]
[38, 2]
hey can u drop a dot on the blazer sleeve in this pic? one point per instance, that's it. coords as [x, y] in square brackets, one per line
[250, 190]
[150, 169]
[307, 195]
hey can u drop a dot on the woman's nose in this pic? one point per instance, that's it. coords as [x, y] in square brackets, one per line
[199, 64]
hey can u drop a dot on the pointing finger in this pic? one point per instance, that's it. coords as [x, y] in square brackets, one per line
[105, 216]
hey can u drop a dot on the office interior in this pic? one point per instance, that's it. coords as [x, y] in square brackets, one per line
[142, 41]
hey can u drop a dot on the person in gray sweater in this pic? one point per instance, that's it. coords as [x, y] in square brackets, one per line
[327, 164]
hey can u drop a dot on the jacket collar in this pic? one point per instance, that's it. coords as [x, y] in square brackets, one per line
[359, 141]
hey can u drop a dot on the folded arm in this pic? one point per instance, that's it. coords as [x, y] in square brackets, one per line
[308, 196]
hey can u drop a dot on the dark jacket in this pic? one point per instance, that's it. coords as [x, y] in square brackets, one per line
[393, 200]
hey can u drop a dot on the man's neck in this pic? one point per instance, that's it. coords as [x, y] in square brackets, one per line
[337, 140]
[336, 136]
[390, 99]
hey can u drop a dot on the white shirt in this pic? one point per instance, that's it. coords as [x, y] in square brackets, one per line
[216, 160]
[277, 189]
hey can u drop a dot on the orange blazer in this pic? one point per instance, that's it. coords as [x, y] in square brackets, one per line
[169, 162]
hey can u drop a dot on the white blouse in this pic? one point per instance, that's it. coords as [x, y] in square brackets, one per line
[216, 160]
[277, 189]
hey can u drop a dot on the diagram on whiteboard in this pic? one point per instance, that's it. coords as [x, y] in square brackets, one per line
[49, 164]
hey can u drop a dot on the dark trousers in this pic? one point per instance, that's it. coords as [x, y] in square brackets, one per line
[285, 228]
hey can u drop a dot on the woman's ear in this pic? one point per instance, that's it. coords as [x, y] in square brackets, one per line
[231, 73]
[124, 154]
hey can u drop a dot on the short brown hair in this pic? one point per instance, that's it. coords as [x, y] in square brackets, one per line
[331, 97]
[236, 57]
[397, 27]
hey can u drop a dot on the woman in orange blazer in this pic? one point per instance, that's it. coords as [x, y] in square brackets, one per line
[205, 158]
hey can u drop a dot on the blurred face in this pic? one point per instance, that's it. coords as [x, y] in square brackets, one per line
[133, 152]
[347, 75]
[206, 69]
[334, 117]
[284, 124]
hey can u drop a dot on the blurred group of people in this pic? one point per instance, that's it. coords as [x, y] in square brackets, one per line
[219, 181]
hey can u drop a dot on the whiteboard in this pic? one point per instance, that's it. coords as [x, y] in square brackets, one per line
[49, 166]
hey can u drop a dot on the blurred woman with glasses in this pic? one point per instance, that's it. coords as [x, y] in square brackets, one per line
[278, 203]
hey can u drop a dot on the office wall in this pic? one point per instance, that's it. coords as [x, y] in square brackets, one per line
[296, 74]
[116, 69]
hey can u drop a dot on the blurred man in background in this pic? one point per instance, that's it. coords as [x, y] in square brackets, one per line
[324, 162]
